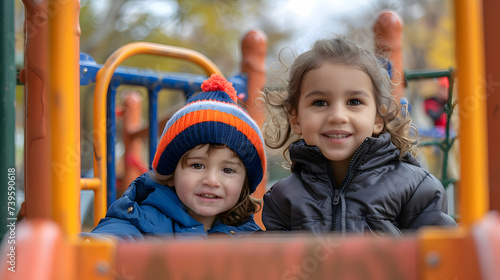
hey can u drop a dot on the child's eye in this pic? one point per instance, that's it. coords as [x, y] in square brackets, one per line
[354, 102]
[319, 103]
[228, 170]
[197, 166]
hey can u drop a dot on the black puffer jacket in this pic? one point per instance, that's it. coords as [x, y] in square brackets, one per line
[379, 194]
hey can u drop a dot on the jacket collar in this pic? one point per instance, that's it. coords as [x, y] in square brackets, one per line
[374, 152]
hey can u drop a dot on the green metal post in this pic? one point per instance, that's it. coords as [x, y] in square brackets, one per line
[7, 115]
[444, 144]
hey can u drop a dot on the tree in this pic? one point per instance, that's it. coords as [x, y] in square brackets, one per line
[213, 28]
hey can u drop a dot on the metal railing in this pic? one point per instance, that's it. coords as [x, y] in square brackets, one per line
[443, 143]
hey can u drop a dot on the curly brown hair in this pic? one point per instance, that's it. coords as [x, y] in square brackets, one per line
[280, 105]
[244, 208]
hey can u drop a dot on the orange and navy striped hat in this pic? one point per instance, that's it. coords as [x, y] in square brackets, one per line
[213, 117]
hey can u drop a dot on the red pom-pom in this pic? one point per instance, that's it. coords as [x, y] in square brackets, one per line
[218, 83]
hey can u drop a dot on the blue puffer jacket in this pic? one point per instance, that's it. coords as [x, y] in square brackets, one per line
[151, 209]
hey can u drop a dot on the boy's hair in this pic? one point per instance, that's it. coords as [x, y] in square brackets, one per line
[244, 208]
[277, 130]
[214, 117]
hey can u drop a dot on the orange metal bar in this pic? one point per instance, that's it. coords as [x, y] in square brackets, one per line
[492, 45]
[96, 260]
[36, 130]
[271, 257]
[90, 183]
[447, 254]
[473, 190]
[253, 49]
[103, 79]
[43, 252]
[388, 31]
[63, 96]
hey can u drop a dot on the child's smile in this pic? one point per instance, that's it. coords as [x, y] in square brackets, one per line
[337, 136]
[206, 195]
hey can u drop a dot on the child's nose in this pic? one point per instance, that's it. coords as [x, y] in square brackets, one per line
[211, 178]
[337, 114]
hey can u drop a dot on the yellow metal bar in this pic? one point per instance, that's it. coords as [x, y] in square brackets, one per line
[90, 183]
[473, 192]
[64, 109]
[103, 79]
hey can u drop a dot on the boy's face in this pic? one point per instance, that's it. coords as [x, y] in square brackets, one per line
[209, 184]
[336, 111]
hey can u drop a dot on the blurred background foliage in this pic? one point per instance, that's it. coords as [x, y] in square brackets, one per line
[215, 28]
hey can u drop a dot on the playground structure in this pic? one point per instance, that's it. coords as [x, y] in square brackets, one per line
[47, 243]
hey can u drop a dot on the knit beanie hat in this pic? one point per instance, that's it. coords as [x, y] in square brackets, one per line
[213, 116]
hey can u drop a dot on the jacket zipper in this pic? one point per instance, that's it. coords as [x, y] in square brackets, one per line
[336, 197]
[350, 170]
[345, 182]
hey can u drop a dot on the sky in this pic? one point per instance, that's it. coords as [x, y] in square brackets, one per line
[314, 19]
[309, 21]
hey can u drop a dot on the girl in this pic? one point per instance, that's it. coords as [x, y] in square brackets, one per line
[353, 169]
[209, 160]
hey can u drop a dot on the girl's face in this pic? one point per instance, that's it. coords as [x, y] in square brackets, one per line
[209, 185]
[336, 111]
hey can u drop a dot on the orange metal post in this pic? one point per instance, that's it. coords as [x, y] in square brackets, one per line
[36, 130]
[388, 31]
[63, 96]
[473, 191]
[491, 47]
[254, 48]
[132, 121]
[487, 241]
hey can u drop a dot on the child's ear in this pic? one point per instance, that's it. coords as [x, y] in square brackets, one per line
[294, 123]
[378, 126]
[170, 182]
